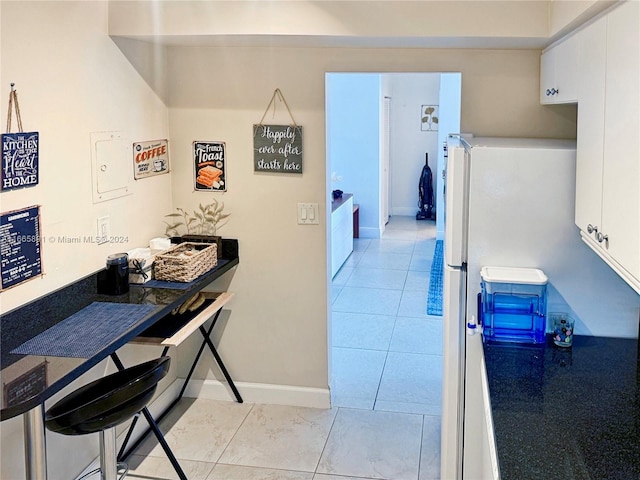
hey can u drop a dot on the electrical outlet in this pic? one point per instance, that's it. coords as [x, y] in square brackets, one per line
[103, 230]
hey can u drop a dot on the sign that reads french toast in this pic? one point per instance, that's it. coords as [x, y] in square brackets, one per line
[277, 148]
[150, 158]
[210, 166]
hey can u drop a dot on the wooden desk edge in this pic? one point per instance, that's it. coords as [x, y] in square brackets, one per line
[221, 299]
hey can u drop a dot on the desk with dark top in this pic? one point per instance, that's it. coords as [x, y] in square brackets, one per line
[29, 380]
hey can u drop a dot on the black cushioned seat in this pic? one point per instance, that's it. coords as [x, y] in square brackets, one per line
[107, 402]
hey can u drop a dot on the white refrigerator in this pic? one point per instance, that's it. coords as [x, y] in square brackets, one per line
[508, 202]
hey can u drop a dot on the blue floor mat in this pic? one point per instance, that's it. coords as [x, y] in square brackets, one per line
[434, 299]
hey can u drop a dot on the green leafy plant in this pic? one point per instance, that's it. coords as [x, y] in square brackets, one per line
[206, 220]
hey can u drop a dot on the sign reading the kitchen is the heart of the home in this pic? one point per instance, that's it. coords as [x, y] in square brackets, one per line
[19, 160]
[277, 148]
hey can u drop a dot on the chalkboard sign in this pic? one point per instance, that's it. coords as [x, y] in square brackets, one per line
[277, 148]
[20, 252]
[19, 160]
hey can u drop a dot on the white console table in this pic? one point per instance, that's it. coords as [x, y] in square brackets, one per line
[341, 231]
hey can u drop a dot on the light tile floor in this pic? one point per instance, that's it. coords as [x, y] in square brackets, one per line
[385, 417]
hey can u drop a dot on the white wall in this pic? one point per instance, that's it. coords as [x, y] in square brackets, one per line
[408, 142]
[72, 80]
[353, 127]
[450, 88]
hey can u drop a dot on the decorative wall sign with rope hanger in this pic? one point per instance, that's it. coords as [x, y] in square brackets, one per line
[19, 151]
[277, 148]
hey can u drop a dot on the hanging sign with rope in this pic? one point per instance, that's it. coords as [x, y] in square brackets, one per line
[277, 148]
[19, 152]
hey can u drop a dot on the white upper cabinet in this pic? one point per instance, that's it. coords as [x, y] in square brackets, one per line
[620, 232]
[590, 135]
[608, 146]
[558, 72]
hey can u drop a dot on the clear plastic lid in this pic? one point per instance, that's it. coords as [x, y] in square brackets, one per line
[528, 276]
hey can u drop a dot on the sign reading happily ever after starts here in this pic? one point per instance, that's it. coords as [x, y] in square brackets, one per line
[277, 148]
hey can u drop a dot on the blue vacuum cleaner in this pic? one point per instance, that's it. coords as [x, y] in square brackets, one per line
[425, 193]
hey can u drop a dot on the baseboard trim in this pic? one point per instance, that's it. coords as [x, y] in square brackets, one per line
[261, 393]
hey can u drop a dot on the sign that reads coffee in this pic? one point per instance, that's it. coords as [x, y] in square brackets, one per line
[277, 148]
[150, 158]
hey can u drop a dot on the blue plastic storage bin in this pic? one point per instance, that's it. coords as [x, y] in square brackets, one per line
[513, 304]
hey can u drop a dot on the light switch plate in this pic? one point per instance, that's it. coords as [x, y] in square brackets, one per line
[103, 230]
[308, 214]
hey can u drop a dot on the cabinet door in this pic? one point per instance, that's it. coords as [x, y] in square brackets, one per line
[590, 135]
[566, 67]
[547, 76]
[621, 180]
[558, 73]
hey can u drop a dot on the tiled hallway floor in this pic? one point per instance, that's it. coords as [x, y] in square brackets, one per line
[385, 417]
[387, 352]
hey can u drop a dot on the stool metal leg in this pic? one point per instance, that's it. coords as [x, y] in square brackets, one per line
[153, 427]
[108, 463]
[35, 444]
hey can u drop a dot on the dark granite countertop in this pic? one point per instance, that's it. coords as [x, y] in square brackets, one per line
[566, 413]
[29, 380]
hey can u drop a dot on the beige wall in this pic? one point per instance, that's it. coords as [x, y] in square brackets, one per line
[72, 80]
[565, 15]
[277, 329]
[341, 19]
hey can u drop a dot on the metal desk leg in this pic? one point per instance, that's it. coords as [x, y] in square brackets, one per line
[35, 452]
[207, 339]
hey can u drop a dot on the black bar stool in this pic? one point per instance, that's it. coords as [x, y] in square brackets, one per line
[101, 405]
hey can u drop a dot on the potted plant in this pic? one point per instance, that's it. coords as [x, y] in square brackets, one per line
[201, 226]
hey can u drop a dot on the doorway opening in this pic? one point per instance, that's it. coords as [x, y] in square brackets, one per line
[386, 351]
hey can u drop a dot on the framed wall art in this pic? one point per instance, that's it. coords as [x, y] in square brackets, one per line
[210, 166]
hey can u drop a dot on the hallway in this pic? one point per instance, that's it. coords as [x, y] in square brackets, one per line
[387, 352]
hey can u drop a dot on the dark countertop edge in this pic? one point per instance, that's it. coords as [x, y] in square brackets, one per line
[16, 410]
[338, 202]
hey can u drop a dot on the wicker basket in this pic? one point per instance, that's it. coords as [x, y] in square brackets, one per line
[185, 262]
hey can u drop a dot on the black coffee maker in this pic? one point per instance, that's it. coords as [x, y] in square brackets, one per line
[114, 280]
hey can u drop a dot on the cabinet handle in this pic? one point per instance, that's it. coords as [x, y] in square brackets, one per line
[548, 92]
[592, 228]
[552, 91]
[602, 238]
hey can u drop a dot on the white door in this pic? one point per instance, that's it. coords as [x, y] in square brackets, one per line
[384, 162]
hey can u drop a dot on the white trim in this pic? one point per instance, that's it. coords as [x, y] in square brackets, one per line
[261, 393]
